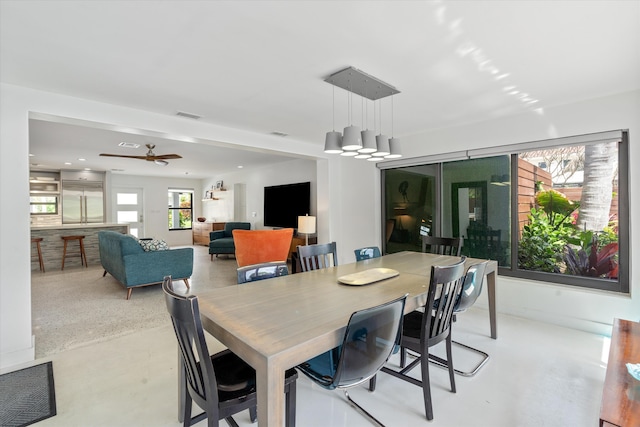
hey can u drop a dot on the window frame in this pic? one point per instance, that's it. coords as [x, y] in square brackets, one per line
[621, 285]
[178, 208]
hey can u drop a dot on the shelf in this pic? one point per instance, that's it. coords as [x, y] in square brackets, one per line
[44, 187]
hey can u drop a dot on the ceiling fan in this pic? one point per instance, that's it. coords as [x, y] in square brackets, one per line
[150, 156]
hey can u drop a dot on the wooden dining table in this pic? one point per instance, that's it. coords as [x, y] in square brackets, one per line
[279, 323]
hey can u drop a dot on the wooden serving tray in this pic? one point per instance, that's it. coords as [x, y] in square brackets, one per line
[367, 277]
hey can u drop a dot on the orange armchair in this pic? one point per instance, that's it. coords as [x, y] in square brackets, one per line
[258, 246]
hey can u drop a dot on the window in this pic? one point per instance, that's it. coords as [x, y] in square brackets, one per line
[44, 205]
[180, 209]
[554, 211]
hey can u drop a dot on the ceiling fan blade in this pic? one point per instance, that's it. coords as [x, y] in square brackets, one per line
[167, 156]
[124, 156]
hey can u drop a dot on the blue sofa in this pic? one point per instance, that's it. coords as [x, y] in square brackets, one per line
[122, 256]
[221, 241]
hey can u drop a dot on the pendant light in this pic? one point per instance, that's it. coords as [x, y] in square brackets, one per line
[333, 140]
[368, 138]
[382, 141]
[362, 143]
[394, 143]
[351, 137]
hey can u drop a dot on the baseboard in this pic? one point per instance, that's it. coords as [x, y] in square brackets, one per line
[19, 357]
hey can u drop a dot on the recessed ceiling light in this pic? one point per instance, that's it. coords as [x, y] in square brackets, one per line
[129, 145]
[82, 160]
[87, 169]
[31, 155]
[68, 163]
[240, 166]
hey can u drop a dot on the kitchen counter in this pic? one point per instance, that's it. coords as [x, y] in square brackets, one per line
[71, 226]
[52, 244]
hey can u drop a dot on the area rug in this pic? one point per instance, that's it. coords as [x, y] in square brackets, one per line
[27, 396]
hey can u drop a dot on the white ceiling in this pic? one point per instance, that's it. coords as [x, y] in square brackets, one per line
[260, 65]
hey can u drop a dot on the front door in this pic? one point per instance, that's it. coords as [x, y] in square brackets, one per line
[128, 209]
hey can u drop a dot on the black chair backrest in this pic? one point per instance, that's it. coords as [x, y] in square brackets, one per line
[471, 287]
[443, 245]
[315, 257]
[185, 315]
[369, 340]
[445, 284]
[367, 253]
[267, 270]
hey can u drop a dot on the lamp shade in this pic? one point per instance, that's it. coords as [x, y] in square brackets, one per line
[368, 141]
[394, 149]
[333, 143]
[351, 139]
[306, 224]
[382, 143]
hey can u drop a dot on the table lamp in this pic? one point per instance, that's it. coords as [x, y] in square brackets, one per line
[306, 226]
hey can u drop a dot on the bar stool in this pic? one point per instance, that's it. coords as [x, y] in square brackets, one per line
[80, 239]
[37, 241]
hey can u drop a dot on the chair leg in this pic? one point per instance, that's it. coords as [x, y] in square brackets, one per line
[186, 282]
[187, 411]
[129, 293]
[104, 274]
[362, 410]
[372, 383]
[450, 359]
[426, 387]
[253, 414]
[403, 357]
[443, 363]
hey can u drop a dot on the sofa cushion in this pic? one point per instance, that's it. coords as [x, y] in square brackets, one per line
[154, 245]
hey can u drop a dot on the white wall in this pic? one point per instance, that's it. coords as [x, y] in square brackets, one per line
[256, 179]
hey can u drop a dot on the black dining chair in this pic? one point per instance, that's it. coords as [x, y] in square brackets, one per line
[422, 330]
[221, 384]
[370, 338]
[314, 257]
[471, 288]
[442, 245]
[265, 270]
[367, 253]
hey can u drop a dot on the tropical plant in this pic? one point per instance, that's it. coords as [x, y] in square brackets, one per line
[590, 260]
[542, 243]
[557, 206]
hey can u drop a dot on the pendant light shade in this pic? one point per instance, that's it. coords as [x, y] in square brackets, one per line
[333, 143]
[352, 153]
[394, 149]
[368, 141]
[362, 156]
[382, 142]
[352, 139]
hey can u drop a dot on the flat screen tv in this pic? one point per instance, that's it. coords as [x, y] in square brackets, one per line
[284, 203]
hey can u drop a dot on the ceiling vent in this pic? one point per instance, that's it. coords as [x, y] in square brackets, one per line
[187, 115]
[129, 145]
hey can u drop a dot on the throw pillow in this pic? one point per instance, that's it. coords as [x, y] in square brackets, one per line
[154, 245]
